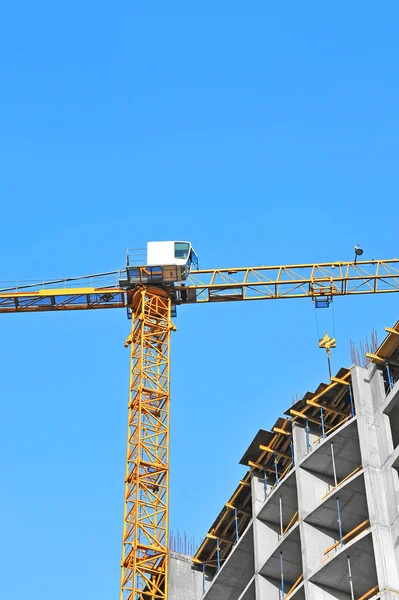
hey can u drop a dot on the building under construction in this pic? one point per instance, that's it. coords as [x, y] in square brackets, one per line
[317, 514]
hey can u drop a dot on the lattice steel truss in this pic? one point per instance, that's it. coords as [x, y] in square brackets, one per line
[318, 280]
[145, 536]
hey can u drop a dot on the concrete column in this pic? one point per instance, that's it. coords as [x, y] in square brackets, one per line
[299, 442]
[302, 528]
[257, 492]
[266, 590]
[300, 452]
[260, 540]
[376, 445]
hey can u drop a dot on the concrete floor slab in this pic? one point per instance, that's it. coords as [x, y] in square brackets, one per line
[334, 573]
[391, 408]
[346, 452]
[297, 594]
[287, 490]
[392, 399]
[236, 572]
[249, 592]
[393, 460]
[352, 502]
[290, 547]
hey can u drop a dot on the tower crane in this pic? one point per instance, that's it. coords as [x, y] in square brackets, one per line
[150, 287]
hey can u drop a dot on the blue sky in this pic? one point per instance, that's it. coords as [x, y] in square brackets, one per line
[265, 134]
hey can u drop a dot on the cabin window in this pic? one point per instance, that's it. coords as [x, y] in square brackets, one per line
[181, 249]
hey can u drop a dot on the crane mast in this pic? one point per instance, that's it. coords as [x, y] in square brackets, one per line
[145, 528]
[149, 294]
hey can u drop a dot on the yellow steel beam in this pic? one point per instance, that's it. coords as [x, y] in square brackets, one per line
[373, 592]
[282, 431]
[255, 465]
[342, 381]
[375, 358]
[236, 493]
[294, 585]
[220, 538]
[71, 298]
[302, 415]
[260, 467]
[272, 450]
[327, 408]
[348, 535]
[294, 519]
[390, 330]
[342, 481]
[240, 510]
[334, 382]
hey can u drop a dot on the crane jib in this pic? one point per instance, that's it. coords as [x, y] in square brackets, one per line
[218, 285]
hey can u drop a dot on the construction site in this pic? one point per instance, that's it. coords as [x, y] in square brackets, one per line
[316, 514]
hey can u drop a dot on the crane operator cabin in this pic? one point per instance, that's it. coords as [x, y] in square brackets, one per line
[162, 262]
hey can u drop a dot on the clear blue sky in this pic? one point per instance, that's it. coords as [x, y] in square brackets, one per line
[265, 133]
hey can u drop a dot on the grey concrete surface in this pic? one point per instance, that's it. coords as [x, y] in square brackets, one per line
[184, 582]
[236, 572]
[249, 591]
[352, 503]
[376, 445]
[335, 575]
[346, 452]
[289, 550]
[287, 492]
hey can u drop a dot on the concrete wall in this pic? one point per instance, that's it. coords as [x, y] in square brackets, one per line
[184, 582]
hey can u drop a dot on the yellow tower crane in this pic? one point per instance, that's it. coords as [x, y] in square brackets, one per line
[149, 288]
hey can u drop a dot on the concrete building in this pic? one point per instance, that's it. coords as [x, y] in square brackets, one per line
[317, 514]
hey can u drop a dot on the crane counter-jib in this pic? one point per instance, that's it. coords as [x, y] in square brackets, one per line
[62, 299]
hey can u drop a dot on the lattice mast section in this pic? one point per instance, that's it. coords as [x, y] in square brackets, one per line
[145, 534]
